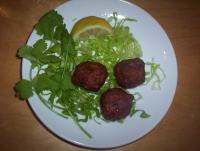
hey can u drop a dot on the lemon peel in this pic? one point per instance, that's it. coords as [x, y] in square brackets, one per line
[90, 28]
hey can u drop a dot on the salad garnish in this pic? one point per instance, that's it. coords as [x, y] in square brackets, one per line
[54, 57]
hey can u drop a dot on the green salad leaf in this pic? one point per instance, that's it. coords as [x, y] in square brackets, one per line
[45, 27]
[24, 89]
[25, 52]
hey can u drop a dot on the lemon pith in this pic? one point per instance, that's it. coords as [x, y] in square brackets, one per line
[91, 27]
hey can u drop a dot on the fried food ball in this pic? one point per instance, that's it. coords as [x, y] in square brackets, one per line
[130, 73]
[90, 75]
[115, 104]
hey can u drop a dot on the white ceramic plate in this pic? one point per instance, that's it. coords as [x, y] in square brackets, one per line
[155, 44]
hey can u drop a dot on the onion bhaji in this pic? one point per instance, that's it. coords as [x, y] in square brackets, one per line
[130, 73]
[115, 104]
[90, 75]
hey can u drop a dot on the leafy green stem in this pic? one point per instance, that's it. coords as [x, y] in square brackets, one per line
[49, 107]
[77, 123]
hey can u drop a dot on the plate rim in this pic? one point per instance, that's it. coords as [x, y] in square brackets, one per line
[173, 95]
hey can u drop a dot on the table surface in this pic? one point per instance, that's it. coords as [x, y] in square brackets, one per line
[179, 129]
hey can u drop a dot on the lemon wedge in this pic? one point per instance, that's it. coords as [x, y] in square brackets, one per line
[90, 28]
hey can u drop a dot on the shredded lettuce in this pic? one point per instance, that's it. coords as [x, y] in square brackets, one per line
[110, 50]
[113, 49]
[154, 68]
[133, 111]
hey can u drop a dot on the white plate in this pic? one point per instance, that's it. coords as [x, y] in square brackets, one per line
[155, 44]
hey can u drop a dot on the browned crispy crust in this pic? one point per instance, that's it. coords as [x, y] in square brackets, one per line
[90, 75]
[130, 73]
[116, 104]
